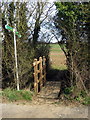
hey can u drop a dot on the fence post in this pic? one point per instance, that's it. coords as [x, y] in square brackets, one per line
[35, 76]
[42, 71]
[44, 68]
[40, 67]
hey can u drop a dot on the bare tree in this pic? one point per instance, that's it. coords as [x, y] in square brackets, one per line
[38, 14]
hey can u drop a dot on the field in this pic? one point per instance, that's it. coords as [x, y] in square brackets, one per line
[57, 57]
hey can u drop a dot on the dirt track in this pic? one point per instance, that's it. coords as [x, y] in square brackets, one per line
[42, 111]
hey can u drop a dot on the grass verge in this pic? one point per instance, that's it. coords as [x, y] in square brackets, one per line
[14, 95]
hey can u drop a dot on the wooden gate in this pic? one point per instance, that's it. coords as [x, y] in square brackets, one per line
[39, 73]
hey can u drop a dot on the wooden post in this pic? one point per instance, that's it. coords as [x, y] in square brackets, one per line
[40, 67]
[35, 76]
[44, 68]
[41, 71]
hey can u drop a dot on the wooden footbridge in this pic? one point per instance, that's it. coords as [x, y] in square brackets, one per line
[51, 88]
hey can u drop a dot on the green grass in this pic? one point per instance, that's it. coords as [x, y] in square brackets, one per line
[14, 95]
[61, 67]
[86, 100]
[55, 47]
[57, 50]
[83, 98]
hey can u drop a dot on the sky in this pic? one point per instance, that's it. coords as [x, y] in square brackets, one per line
[26, 0]
[45, 0]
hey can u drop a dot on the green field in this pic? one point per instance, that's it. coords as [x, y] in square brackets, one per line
[55, 47]
[57, 57]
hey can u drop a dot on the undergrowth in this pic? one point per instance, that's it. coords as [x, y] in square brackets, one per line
[81, 97]
[14, 95]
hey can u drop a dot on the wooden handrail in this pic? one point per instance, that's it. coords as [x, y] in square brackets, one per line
[39, 73]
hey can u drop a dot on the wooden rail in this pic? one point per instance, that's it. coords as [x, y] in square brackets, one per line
[39, 73]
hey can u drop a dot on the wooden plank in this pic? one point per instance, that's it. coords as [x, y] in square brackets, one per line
[38, 62]
[35, 76]
[34, 63]
[38, 71]
[44, 68]
[40, 67]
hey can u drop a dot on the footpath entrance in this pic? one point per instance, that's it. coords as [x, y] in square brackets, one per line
[48, 93]
[46, 90]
